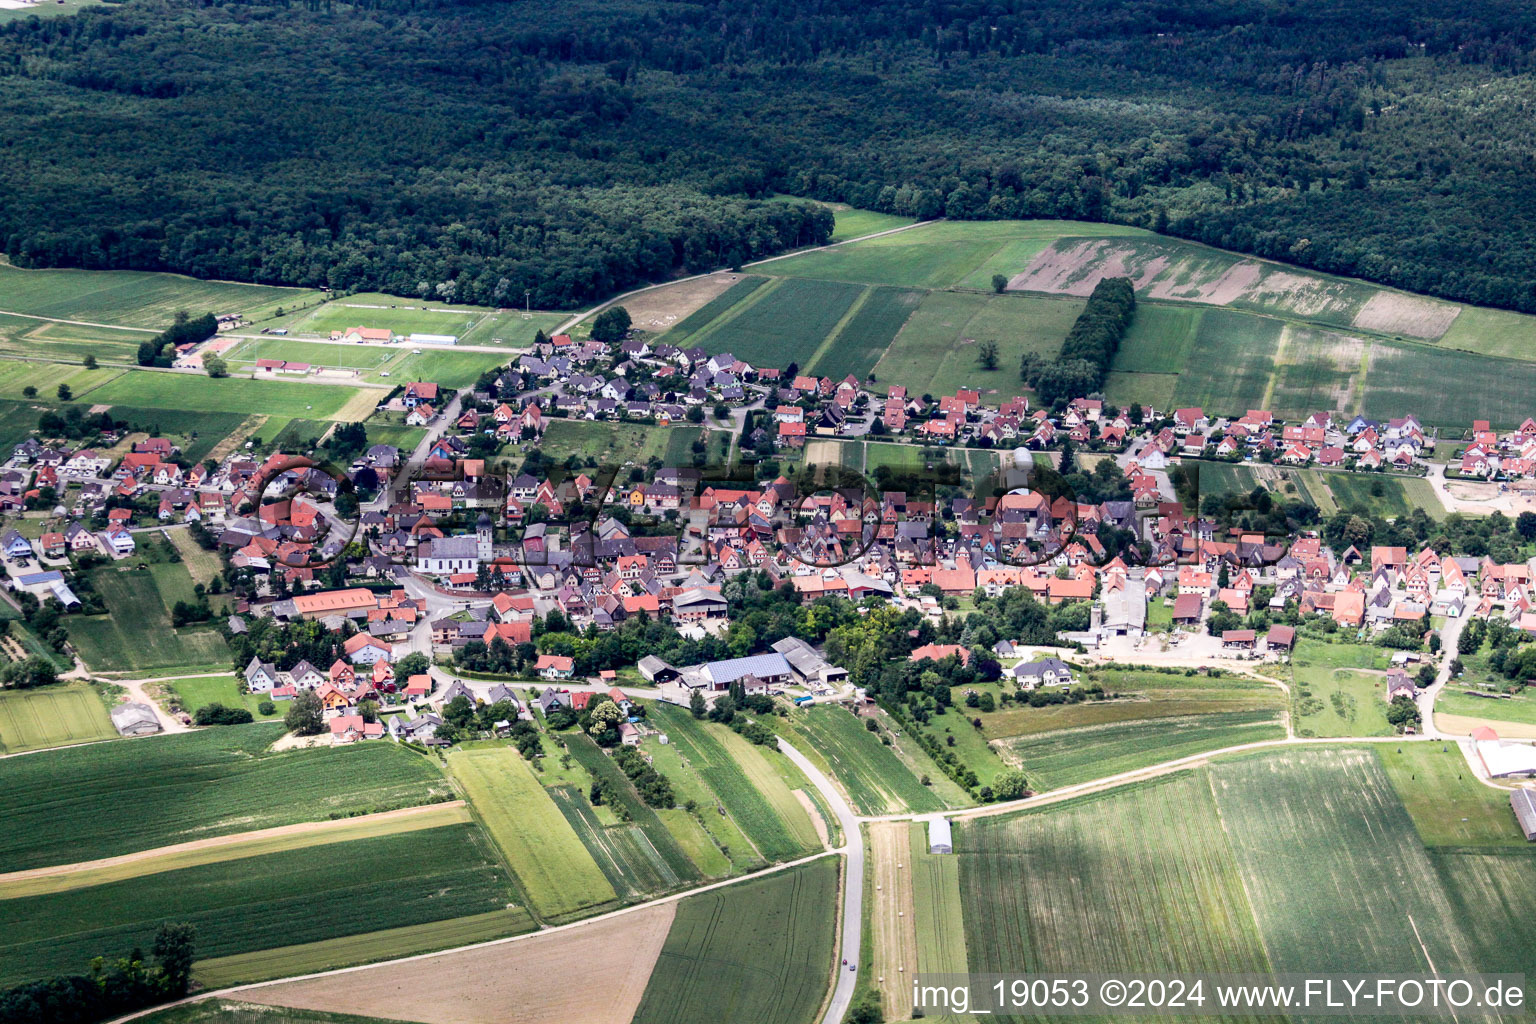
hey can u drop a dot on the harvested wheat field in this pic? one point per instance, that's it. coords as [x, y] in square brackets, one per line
[541, 979]
[660, 308]
[892, 916]
[1395, 313]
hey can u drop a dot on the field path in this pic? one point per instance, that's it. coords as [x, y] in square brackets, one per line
[448, 811]
[579, 317]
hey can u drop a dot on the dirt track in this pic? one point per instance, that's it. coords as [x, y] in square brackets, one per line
[594, 974]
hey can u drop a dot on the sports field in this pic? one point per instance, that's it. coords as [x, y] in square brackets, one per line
[136, 633]
[552, 866]
[51, 717]
[757, 951]
[400, 315]
[276, 899]
[134, 298]
[449, 368]
[68, 805]
[1338, 690]
[358, 357]
[204, 394]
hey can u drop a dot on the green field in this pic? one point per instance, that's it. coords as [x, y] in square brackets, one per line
[178, 391]
[448, 367]
[852, 222]
[1148, 390]
[1159, 340]
[1143, 696]
[936, 352]
[277, 899]
[136, 632]
[668, 865]
[1410, 378]
[17, 375]
[725, 835]
[1069, 756]
[1138, 879]
[133, 298]
[706, 314]
[51, 717]
[1320, 836]
[69, 805]
[26, 337]
[360, 948]
[195, 433]
[773, 821]
[1519, 709]
[783, 324]
[1494, 332]
[1382, 495]
[1338, 690]
[944, 254]
[866, 335]
[938, 909]
[1230, 362]
[625, 853]
[875, 779]
[554, 869]
[757, 951]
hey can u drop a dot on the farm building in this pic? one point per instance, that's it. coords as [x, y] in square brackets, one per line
[772, 669]
[940, 839]
[1524, 803]
[654, 670]
[808, 664]
[135, 720]
[1502, 759]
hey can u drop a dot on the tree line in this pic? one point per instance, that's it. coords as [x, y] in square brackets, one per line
[1083, 364]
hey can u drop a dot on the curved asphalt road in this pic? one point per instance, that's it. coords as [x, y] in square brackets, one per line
[853, 885]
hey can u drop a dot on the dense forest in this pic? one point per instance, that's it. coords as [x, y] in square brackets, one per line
[575, 148]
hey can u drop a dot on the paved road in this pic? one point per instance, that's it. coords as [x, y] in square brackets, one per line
[1448, 640]
[853, 884]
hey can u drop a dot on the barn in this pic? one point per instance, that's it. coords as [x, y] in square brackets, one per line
[1524, 803]
[940, 840]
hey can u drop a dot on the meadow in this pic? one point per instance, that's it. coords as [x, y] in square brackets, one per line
[51, 717]
[876, 780]
[136, 633]
[1141, 878]
[17, 375]
[614, 443]
[1143, 696]
[1338, 690]
[553, 868]
[222, 689]
[669, 865]
[68, 805]
[178, 391]
[1511, 717]
[1449, 805]
[301, 895]
[133, 298]
[776, 824]
[359, 948]
[759, 950]
[1066, 757]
